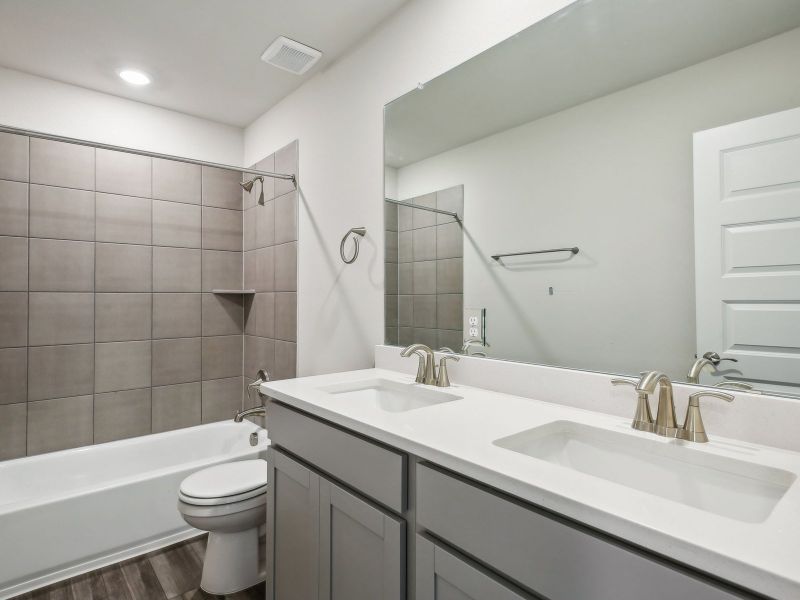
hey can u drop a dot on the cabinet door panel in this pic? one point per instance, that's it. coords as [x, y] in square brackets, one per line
[443, 576]
[292, 530]
[362, 548]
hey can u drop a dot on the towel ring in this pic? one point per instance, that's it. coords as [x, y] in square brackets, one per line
[356, 232]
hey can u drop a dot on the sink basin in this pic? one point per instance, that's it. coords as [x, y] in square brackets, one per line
[389, 396]
[671, 470]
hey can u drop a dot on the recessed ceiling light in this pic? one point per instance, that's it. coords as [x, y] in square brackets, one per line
[134, 77]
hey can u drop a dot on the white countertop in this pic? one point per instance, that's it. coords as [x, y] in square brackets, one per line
[764, 557]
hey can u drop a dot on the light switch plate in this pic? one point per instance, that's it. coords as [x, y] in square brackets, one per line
[475, 324]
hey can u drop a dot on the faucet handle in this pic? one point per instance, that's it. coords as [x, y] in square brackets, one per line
[693, 429]
[643, 419]
[443, 380]
[715, 358]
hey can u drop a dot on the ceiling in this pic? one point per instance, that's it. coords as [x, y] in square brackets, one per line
[590, 49]
[203, 55]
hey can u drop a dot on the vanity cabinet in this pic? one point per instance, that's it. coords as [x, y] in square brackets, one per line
[327, 543]
[352, 519]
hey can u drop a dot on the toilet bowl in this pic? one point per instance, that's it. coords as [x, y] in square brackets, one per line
[229, 501]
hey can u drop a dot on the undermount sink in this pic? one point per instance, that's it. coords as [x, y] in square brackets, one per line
[674, 471]
[389, 396]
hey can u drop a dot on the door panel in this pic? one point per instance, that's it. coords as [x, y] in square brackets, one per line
[292, 530]
[362, 548]
[747, 249]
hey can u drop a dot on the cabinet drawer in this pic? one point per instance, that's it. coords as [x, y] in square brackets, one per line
[549, 556]
[371, 469]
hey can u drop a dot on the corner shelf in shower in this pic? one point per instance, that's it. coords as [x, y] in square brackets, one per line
[234, 292]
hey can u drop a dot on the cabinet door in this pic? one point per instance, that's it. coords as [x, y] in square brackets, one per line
[441, 575]
[292, 530]
[362, 548]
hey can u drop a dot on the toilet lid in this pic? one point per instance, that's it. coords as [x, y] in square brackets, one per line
[229, 479]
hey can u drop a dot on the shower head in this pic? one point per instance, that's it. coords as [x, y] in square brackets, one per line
[248, 185]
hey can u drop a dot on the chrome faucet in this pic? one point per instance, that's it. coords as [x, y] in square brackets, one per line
[259, 411]
[442, 378]
[261, 377]
[665, 423]
[426, 370]
[693, 429]
[643, 419]
[709, 358]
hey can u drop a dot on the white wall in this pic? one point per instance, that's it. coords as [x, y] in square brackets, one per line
[39, 104]
[614, 177]
[337, 117]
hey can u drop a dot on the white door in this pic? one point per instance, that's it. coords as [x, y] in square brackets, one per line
[747, 249]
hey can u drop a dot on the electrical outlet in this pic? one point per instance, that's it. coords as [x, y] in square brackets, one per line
[475, 324]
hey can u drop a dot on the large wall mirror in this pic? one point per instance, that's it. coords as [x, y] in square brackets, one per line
[616, 189]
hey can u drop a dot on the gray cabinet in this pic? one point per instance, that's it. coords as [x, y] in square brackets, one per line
[326, 543]
[441, 575]
[362, 548]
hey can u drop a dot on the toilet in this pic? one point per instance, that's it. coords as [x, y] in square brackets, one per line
[229, 501]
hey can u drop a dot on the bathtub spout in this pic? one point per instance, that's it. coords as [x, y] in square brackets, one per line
[257, 411]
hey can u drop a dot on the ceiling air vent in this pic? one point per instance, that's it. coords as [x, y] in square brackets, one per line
[290, 56]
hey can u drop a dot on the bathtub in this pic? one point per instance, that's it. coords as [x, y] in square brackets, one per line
[68, 512]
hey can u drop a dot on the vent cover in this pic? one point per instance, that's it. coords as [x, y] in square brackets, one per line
[290, 56]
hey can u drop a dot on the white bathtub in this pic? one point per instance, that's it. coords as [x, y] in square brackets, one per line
[69, 512]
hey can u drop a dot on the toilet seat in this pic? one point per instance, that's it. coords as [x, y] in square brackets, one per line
[225, 484]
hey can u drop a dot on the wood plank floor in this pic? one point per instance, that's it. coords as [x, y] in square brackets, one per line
[170, 573]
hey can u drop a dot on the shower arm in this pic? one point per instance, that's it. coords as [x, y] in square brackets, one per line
[191, 161]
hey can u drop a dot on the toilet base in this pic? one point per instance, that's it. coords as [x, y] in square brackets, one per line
[231, 562]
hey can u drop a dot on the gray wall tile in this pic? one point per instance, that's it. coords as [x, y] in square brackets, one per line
[177, 181]
[286, 316]
[13, 206]
[390, 216]
[14, 375]
[405, 311]
[123, 219]
[176, 406]
[449, 241]
[405, 218]
[449, 311]
[262, 279]
[286, 218]
[62, 164]
[124, 268]
[391, 246]
[390, 302]
[13, 319]
[60, 371]
[451, 199]
[123, 317]
[390, 336]
[425, 312]
[176, 269]
[405, 336]
[124, 173]
[61, 266]
[264, 216]
[120, 415]
[425, 277]
[450, 276]
[60, 318]
[429, 337]
[405, 247]
[249, 229]
[13, 264]
[13, 157]
[260, 315]
[221, 270]
[286, 267]
[222, 399]
[452, 338]
[285, 360]
[390, 278]
[176, 361]
[222, 229]
[59, 423]
[176, 224]
[122, 366]
[222, 356]
[13, 427]
[405, 278]
[176, 315]
[221, 188]
[286, 160]
[61, 213]
[424, 243]
[259, 353]
[423, 218]
[222, 314]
